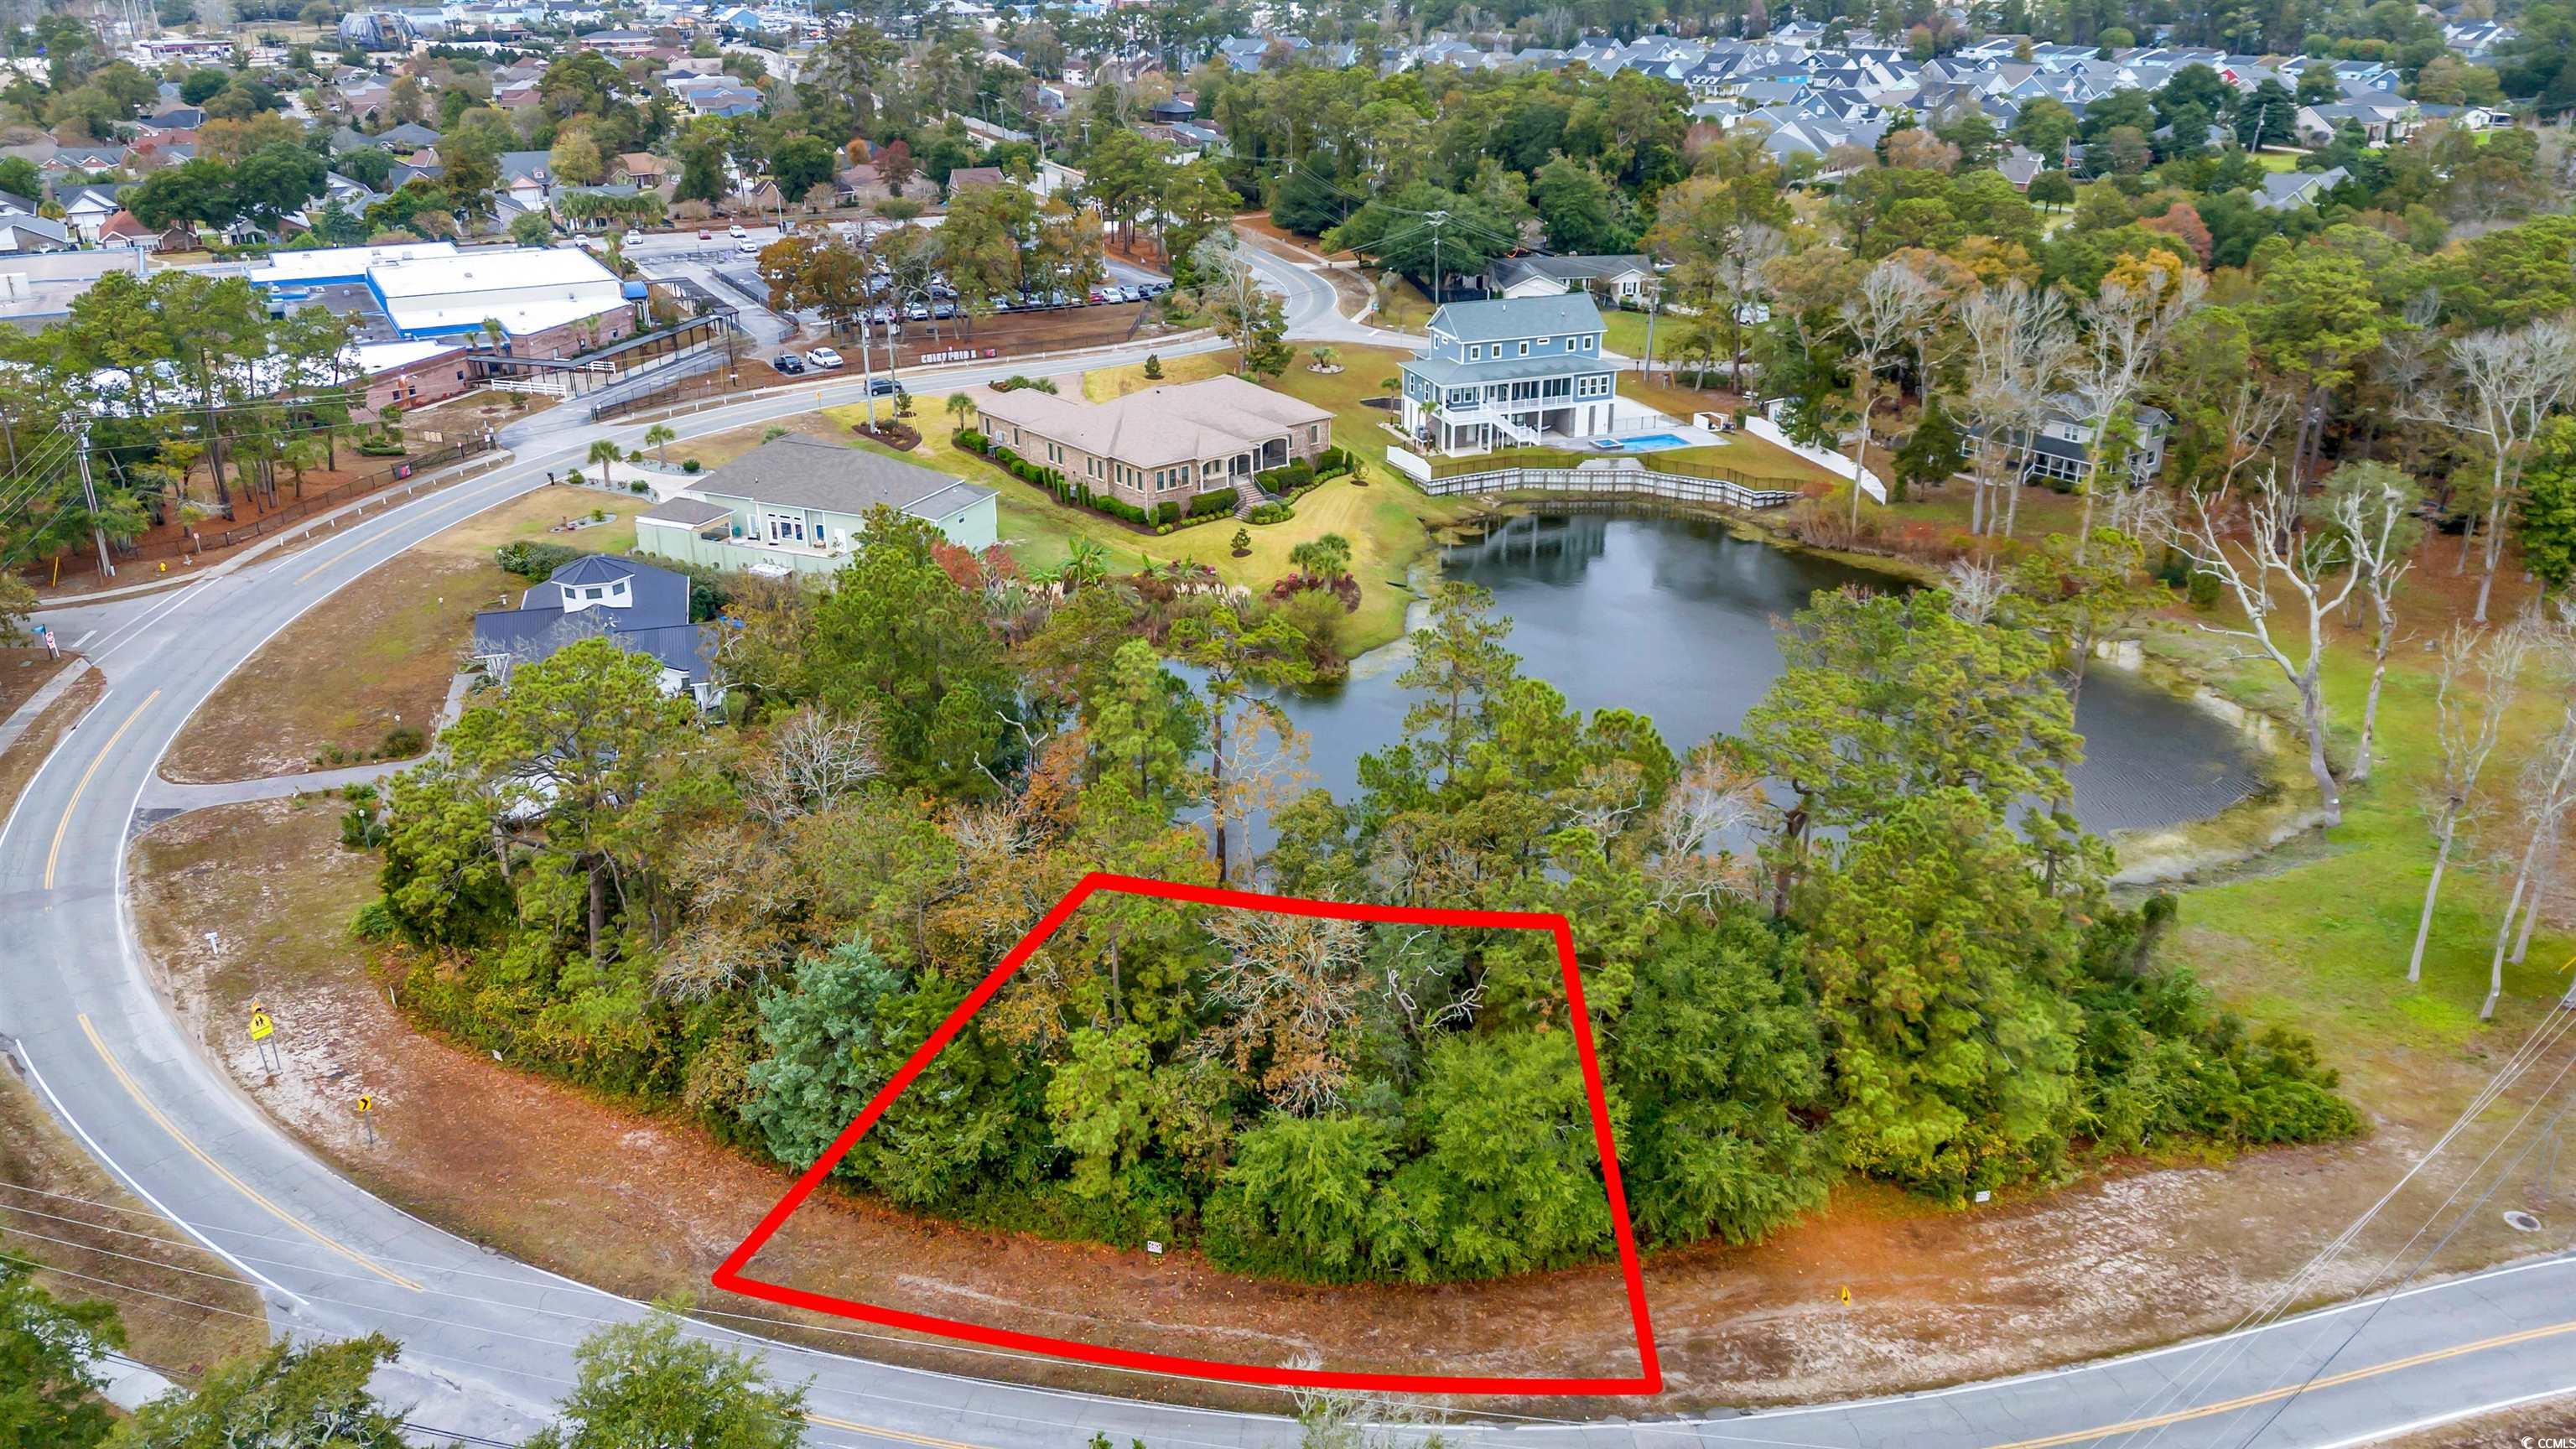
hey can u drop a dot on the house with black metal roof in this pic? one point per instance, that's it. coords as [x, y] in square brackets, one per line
[638, 607]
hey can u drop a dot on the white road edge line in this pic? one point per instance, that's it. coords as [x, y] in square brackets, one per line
[27, 1059]
[2382, 1436]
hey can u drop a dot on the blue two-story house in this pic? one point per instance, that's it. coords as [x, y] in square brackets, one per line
[1511, 370]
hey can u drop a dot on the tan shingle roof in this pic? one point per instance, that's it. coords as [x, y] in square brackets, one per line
[1183, 422]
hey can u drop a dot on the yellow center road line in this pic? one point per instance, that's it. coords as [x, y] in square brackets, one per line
[135, 1089]
[63, 828]
[2087, 1436]
[898, 1435]
[307, 575]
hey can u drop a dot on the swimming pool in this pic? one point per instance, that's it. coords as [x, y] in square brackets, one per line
[1642, 443]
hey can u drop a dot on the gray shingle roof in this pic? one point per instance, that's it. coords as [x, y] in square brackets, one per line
[1503, 318]
[804, 473]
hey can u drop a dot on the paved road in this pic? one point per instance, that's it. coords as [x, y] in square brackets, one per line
[488, 1341]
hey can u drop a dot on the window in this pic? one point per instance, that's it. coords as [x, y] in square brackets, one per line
[1524, 349]
[1475, 351]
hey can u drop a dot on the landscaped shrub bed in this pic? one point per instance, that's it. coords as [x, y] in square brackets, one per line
[1162, 518]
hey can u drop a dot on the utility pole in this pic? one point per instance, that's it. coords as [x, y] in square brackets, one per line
[1654, 304]
[89, 493]
[1438, 220]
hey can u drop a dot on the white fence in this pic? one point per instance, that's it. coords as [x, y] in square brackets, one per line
[1599, 480]
[1834, 463]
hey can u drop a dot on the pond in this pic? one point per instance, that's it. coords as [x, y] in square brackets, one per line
[1673, 617]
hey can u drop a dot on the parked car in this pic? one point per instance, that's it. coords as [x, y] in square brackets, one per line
[788, 363]
[1100, 294]
[736, 232]
[747, 247]
[943, 310]
[705, 235]
[884, 387]
[632, 237]
[823, 358]
[918, 312]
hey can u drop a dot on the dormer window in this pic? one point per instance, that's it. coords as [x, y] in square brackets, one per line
[1475, 352]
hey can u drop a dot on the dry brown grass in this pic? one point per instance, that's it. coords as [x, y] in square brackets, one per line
[380, 653]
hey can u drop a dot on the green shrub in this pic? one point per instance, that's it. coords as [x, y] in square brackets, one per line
[401, 743]
[689, 465]
[1209, 504]
[1272, 513]
[1167, 513]
[533, 559]
[973, 441]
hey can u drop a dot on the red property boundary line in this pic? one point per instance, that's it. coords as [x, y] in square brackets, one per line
[1649, 1378]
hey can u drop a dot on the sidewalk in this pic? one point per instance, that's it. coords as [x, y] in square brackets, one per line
[35, 705]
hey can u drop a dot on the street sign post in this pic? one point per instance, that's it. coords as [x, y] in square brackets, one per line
[262, 1027]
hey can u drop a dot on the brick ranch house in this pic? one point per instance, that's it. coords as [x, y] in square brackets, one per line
[1164, 444]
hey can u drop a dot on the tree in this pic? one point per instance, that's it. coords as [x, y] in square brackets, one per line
[604, 452]
[2548, 793]
[2314, 316]
[288, 1396]
[1887, 698]
[1716, 1058]
[50, 1387]
[2508, 382]
[2019, 349]
[531, 229]
[1242, 309]
[1578, 208]
[1937, 963]
[2125, 324]
[2548, 510]
[1243, 663]
[659, 438]
[2278, 556]
[1932, 452]
[2474, 688]
[649, 1384]
[1894, 304]
[801, 163]
[2370, 508]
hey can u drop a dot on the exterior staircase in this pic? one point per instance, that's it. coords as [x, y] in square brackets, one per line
[1249, 495]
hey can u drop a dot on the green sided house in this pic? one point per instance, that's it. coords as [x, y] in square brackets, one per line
[793, 505]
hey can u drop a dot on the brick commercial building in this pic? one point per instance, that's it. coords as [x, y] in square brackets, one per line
[1165, 444]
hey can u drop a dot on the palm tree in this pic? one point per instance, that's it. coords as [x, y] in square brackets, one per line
[604, 452]
[659, 438]
[1088, 561]
[960, 407]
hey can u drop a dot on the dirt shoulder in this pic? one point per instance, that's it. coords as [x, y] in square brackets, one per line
[338, 685]
[2151, 1252]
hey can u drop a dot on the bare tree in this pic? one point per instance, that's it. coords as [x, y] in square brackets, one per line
[2019, 348]
[1744, 255]
[2548, 788]
[1883, 318]
[812, 759]
[2125, 327]
[1977, 589]
[1290, 985]
[2508, 383]
[2278, 557]
[2469, 723]
[1714, 801]
[2372, 509]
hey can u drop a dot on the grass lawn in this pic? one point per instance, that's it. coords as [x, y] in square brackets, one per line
[2279, 160]
[1104, 383]
[1385, 520]
[1403, 307]
[2321, 938]
[381, 652]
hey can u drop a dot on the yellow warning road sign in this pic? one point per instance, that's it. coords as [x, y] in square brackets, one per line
[261, 1028]
[1846, 1295]
[366, 1102]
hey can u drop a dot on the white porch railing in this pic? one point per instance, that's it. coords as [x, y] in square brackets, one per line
[1499, 422]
